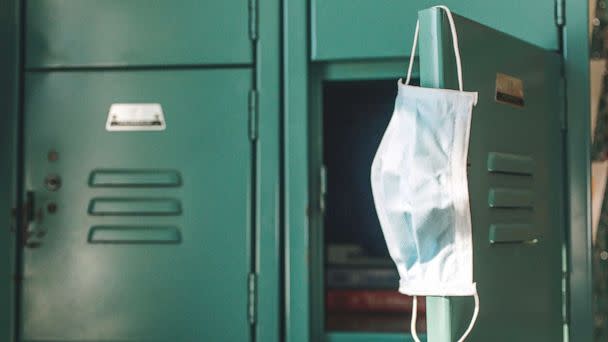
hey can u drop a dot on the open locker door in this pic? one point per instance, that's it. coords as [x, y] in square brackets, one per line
[515, 181]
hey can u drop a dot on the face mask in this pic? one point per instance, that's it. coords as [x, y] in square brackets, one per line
[420, 189]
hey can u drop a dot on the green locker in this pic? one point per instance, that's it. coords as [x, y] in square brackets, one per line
[137, 233]
[516, 178]
[363, 29]
[516, 181]
[77, 58]
[116, 33]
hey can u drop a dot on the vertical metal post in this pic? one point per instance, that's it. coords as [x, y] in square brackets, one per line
[578, 140]
[439, 319]
[10, 68]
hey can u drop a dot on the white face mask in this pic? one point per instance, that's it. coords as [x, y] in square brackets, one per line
[420, 189]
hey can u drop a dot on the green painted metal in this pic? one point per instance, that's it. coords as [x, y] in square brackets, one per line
[268, 225]
[316, 207]
[578, 141]
[372, 69]
[512, 233]
[510, 164]
[508, 283]
[510, 198]
[61, 53]
[91, 33]
[295, 169]
[9, 106]
[192, 289]
[360, 29]
[439, 320]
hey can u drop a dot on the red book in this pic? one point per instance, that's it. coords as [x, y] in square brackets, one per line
[376, 322]
[371, 301]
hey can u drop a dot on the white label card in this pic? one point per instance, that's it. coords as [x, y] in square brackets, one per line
[135, 117]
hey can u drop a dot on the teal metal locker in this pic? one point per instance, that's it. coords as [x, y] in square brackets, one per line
[146, 222]
[520, 192]
[516, 181]
[69, 37]
[100, 33]
[137, 235]
[364, 29]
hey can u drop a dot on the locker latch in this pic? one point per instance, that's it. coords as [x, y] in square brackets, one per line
[30, 230]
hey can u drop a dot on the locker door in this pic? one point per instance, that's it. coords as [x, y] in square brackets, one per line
[515, 180]
[139, 233]
[103, 33]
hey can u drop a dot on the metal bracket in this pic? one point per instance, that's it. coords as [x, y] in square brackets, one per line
[253, 19]
[29, 215]
[560, 13]
[322, 188]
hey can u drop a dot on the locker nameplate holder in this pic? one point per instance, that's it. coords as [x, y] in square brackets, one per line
[135, 117]
[509, 90]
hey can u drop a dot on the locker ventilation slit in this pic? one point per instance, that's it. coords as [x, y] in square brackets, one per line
[116, 188]
[511, 205]
[111, 178]
[134, 235]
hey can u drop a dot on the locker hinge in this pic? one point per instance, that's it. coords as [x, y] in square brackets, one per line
[252, 288]
[322, 188]
[253, 19]
[253, 114]
[565, 282]
[565, 298]
[560, 12]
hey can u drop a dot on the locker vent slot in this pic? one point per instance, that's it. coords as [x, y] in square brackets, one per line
[112, 178]
[513, 233]
[510, 164]
[510, 198]
[135, 206]
[134, 235]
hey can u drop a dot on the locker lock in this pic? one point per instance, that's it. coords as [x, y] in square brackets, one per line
[52, 182]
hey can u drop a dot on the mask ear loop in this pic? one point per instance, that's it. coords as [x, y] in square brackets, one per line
[454, 44]
[466, 333]
[473, 319]
[414, 318]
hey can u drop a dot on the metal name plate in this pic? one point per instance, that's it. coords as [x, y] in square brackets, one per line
[135, 117]
[509, 90]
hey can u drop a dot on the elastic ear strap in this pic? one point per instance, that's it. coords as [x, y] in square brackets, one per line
[409, 67]
[466, 333]
[473, 319]
[454, 44]
[413, 321]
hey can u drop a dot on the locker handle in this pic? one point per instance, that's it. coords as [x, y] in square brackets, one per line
[28, 218]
